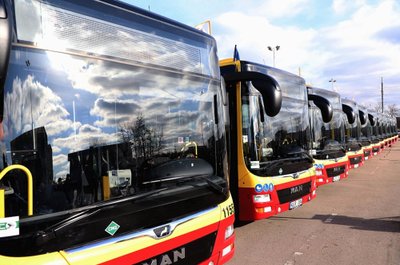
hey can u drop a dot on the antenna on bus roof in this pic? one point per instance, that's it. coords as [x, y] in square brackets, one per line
[204, 26]
[236, 56]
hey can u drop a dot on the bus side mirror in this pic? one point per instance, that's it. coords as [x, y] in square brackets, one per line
[351, 117]
[271, 94]
[324, 105]
[371, 119]
[265, 84]
[363, 117]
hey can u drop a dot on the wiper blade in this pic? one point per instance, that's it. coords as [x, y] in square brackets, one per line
[330, 151]
[307, 155]
[124, 199]
[85, 212]
[291, 151]
[295, 154]
[215, 186]
[270, 165]
[274, 163]
[211, 183]
[178, 169]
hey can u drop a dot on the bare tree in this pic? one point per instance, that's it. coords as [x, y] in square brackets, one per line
[377, 107]
[145, 141]
[393, 110]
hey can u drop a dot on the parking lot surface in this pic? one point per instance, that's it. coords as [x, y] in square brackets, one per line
[353, 221]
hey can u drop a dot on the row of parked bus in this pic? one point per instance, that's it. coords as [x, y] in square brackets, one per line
[124, 140]
[288, 138]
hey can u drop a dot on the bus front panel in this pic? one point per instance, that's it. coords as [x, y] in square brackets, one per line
[113, 145]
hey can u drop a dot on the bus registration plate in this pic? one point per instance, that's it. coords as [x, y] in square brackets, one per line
[336, 178]
[295, 204]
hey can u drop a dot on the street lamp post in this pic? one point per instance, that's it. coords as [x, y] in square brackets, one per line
[273, 49]
[382, 92]
[332, 81]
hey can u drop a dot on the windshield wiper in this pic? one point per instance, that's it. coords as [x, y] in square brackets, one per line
[211, 183]
[85, 212]
[307, 155]
[331, 151]
[215, 186]
[270, 165]
[291, 157]
[292, 151]
[298, 154]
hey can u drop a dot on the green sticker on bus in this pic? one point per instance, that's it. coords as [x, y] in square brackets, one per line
[112, 228]
[9, 226]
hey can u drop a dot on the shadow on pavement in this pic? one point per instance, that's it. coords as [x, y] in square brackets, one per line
[385, 224]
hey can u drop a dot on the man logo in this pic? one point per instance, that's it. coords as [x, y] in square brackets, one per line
[168, 258]
[162, 231]
[296, 189]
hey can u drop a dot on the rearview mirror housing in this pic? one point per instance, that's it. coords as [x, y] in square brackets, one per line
[324, 105]
[267, 86]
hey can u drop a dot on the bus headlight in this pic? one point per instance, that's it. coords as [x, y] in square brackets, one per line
[262, 198]
[227, 250]
[229, 231]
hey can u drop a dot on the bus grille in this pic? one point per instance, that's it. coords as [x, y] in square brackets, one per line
[192, 253]
[294, 193]
[375, 149]
[355, 160]
[367, 153]
[335, 171]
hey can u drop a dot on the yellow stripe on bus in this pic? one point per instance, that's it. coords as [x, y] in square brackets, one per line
[251, 182]
[103, 253]
[46, 259]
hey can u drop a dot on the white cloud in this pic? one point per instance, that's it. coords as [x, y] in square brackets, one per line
[44, 107]
[59, 159]
[56, 149]
[355, 51]
[278, 9]
[361, 57]
[253, 34]
[85, 140]
[342, 6]
[89, 129]
[88, 136]
[364, 23]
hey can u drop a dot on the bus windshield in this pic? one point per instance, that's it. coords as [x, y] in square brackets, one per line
[131, 132]
[328, 137]
[366, 128]
[353, 130]
[276, 145]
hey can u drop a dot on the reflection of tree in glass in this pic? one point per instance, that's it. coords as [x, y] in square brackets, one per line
[144, 140]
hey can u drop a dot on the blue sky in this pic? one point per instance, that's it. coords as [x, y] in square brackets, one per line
[354, 42]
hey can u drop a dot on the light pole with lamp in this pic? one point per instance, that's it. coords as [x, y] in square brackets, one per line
[273, 49]
[332, 81]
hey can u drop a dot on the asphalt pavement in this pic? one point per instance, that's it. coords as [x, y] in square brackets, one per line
[354, 221]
